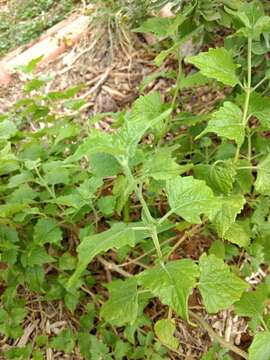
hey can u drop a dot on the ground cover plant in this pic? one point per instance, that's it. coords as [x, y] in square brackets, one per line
[75, 198]
[25, 20]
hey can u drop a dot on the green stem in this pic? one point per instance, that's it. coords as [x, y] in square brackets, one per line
[44, 183]
[156, 241]
[176, 92]
[248, 91]
[165, 217]
[139, 193]
[178, 80]
[249, 135]
[260, 83]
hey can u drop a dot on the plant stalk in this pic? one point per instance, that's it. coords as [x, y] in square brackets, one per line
[248, 91]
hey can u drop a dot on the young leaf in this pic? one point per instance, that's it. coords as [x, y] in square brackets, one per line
[262, 183]
[63, 341]
[97, 142]
[172, 283]
[260, 347]
[227, 122]
[220, 288]
[217, 64]
[220, 176]
[147, 112]
[259, 107]
[122, 306]
[244, 177]
[190, 198]
[237, 234]
[117, 236]
[35, 255]
[157, 25]
[104, 165]
[161, 165]
[7, 129]
[106, 205]
[24, 195]
[226, 213]
[47, 231]
[164, 330]
[98, 349]
[252, 303]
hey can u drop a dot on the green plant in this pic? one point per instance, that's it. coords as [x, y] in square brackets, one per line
[121, 197]
[25, 20]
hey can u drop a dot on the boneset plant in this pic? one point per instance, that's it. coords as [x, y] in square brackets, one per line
[118, 196]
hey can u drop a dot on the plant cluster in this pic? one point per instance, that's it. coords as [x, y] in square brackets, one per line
[26, 20]
[72, 195]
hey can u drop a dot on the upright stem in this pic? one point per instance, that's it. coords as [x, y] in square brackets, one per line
[176, 91]
[248, 91]
[139, 193]
[156, 241]
[177, 87]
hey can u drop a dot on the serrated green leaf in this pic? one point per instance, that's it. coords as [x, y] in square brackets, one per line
[23, 195]
[104, 165]
[222, 176]
[217, 64]
[162, 166]
[192, 80]
[190, 198]
[122, 350]
[55, 173]
[67, 131]
[237, 234]
[148, 112]
[35, 255]
[227, 122]
[97, 142]
[8, 210]
[31, 66]
[226, 213]
[47, 231]
[219, 176]
[217, 248]
[164, 330]
[19, 353]
[67, 262]
[244, 177]
[145, 114]
[33, 84]
[64, 341]
[259, 106]
[20, 179]
[173, 283]
[122, 306]
[161, 26]
[65, 94]
[220, 288]
[106, 205]
[8, 161]
[260, 347]
[262, 183]
[117, 236]
[157, 25]
[252, 303]
[98, 349]
[7, 129]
